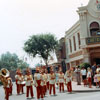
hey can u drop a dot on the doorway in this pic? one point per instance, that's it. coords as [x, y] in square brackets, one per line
[97, 60]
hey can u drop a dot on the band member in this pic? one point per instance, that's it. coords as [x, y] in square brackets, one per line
[52, 78]
[11, 85]
[16, 76]
[61, 80]
[38, 78]
[29, 83]
[44, 81]
[19, 80]
[47, 79]
[22, 82]
[6, 80]
[68, 79]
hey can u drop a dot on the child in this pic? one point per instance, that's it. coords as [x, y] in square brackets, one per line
[96, 79]
[89, 77]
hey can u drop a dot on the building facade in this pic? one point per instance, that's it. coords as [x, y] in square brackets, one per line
[83, 38]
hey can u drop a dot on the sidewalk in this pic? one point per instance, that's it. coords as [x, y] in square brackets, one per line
[81, 88]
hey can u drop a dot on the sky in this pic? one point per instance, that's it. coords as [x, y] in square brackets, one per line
[20, 19]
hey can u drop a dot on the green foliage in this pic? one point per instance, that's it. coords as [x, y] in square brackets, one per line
[86, 65]
[41, 45]
[0, 83]
[22, 65]
[11, 62]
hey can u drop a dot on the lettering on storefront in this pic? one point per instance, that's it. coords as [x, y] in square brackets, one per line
[92, 40]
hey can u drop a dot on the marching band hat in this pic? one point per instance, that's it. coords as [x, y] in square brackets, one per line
[28, 70]
[18, 71]
[60, 69]
[37, 68]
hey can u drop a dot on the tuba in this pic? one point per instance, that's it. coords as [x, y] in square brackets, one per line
[4, 73]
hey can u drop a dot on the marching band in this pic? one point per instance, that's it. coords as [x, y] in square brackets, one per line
[43, 81]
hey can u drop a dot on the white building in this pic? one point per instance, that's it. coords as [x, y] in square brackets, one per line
[83, 38]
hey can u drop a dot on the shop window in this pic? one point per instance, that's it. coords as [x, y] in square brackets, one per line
[94, 29]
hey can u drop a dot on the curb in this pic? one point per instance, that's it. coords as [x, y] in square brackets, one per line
[82, 91]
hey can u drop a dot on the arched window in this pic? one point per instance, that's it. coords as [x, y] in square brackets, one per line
[94, 28]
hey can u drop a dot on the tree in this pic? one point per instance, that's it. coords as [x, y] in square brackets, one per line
[11, 62]
[86, 65]
[42, 45]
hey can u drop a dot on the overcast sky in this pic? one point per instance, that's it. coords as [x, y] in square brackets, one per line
[20, 19]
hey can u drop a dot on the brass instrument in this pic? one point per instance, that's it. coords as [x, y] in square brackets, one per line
[4, 73]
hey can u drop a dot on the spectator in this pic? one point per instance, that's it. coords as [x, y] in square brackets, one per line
[98, 68]
[78, 74]
[93, 72]
[89, 75]
[96, 79]
[83, 73]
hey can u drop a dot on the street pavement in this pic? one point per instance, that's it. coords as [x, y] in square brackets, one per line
[76, 95]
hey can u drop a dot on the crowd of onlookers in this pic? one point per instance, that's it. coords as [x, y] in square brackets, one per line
[89, 76]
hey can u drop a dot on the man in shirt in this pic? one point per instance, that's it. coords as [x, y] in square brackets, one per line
[84, 73]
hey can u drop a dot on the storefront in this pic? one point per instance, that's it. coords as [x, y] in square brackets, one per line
[83, 38]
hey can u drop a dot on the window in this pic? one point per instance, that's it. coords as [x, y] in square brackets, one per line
[70, 45]
[74, 43]
[79, 41]
[94, 28]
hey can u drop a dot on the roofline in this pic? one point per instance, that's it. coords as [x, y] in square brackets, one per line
[72, 28]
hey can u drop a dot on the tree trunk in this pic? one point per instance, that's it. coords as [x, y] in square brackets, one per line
[46, 62]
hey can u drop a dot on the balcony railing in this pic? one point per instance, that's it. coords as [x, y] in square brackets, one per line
[93, 40]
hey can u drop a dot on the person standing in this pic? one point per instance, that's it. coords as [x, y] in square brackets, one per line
[18, 78]
[96, 79]
[84, 73]
[68, 79]
[47, 79]
[93, 72]
[89, 77]
[98, 68]
[6, 80]
[44, 80]
[57, 78]
[78, 74]
[38, 84]
[52, 77]
[29, 83]
[11, 85]
[22, 83]
[61, 80]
